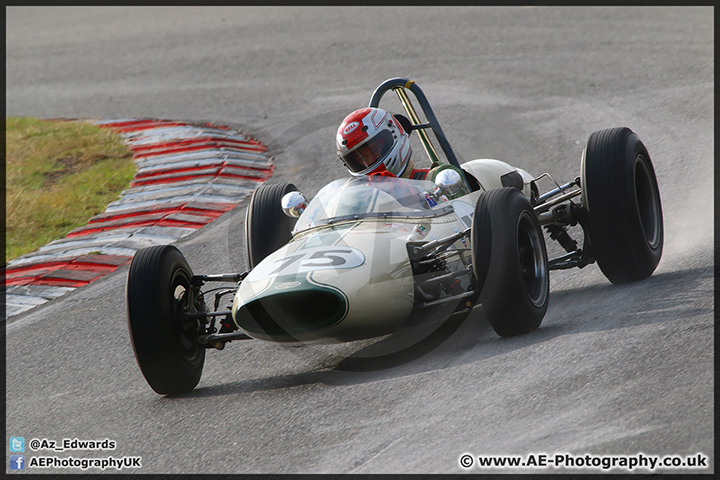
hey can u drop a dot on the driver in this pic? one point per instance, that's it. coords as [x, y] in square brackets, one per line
[372, 141]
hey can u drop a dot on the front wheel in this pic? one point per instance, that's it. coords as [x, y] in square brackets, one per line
[158, 292]
[516, 276]
[267, 228]
[620, 192]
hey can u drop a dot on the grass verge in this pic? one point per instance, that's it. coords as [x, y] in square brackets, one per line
[58, 175]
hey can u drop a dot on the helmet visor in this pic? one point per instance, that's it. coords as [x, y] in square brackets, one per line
[365, 155]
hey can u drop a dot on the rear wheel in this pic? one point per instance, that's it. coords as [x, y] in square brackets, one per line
[517, 282]
[158, 292]
[620, 192]
[267, 228]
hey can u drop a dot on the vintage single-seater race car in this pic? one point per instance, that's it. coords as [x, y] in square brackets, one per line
[370, 255]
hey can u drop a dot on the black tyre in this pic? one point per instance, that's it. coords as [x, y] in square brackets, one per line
[481, 242]
[267, 228]
[508, 247]
[620, 192]
[166, 348]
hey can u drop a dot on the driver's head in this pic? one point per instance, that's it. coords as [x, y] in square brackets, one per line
[370, 140]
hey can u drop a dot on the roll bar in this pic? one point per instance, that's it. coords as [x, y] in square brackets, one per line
[399, 85]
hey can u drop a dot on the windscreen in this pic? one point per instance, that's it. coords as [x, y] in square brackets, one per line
[363, 197]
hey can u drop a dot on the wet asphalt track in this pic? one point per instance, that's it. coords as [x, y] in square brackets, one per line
[612, 370]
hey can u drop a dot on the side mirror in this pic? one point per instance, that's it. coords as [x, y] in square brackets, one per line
[293, 204]
[449, 182]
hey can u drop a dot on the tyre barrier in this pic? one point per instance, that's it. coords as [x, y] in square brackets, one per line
[188, 174]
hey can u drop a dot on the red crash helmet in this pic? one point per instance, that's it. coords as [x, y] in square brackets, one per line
[370, 140]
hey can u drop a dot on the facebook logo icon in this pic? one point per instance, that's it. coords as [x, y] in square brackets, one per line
[17, 462]
[17, 444]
